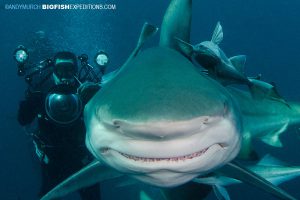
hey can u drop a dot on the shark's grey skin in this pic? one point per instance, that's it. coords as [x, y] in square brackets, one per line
[270, 168]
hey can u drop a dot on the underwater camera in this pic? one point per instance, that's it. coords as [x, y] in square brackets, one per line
[45, 67]
[62, 106]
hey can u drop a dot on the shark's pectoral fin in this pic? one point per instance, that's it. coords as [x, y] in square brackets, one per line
[221, 192]
[239, 63]
[260, 90]
[217, 36]
[185, 47]
[272, 138]
[89, 175]
[236, 171]
[147, 31]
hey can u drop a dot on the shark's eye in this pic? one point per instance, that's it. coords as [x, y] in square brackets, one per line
[199, 46]
[116, 123]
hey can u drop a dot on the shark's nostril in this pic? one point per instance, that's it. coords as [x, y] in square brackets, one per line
[206, 120]
[223, 145]
[116, 123]
[104, 150]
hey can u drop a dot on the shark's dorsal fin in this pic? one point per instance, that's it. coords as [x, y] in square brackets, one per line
[176, 23]
[217, 36]
[221, 192]
[239, 62]
[89, 175]
[269, 160]
[185, 47]
[236, 171]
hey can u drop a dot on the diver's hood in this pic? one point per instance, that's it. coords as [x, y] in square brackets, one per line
[62, 105]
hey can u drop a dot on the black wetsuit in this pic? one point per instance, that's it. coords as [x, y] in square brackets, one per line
[63, 145]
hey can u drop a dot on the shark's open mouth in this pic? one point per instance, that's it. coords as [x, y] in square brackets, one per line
[169, 159]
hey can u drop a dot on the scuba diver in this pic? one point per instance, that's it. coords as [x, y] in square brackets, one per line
[39, 46]
[55, 98]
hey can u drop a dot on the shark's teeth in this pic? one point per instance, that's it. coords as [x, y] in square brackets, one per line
[171, 159]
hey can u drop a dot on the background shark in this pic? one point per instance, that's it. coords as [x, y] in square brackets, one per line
[210, 56]
[163, 122]
[268, 167]
[226, 70]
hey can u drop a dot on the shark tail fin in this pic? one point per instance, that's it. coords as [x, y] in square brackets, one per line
[239, 62]
[217, 36]
[185, 47]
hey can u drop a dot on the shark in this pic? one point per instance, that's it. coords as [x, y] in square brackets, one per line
[226, 70]
[161, 121]
[269, 167]
[210, 56]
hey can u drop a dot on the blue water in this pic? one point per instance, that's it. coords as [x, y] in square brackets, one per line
[266, 31]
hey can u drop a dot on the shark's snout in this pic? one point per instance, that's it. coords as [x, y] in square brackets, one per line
[152, 150]
[163, 130]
